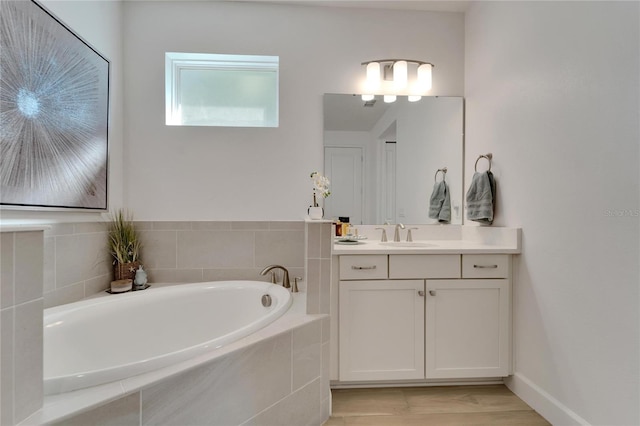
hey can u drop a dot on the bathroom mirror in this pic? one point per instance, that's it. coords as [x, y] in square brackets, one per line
[382, 158]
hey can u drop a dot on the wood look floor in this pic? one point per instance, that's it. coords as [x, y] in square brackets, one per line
[425, 406]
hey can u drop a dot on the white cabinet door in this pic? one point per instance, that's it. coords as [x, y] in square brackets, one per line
[381, 330]
[467, 328]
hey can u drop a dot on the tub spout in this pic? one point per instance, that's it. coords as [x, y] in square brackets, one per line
[286, 283]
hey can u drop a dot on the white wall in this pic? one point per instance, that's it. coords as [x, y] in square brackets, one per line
[552, 91]
[207, 173]
[99, 23]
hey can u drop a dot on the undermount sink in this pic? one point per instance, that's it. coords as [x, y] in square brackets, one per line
[415, 244]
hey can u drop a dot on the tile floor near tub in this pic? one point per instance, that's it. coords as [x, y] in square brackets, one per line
[426, 406]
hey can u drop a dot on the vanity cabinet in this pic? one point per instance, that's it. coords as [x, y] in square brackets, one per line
[467, 328]
[424, 316]
[381, 330]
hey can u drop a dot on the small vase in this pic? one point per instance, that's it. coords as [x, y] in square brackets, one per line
[315, 213]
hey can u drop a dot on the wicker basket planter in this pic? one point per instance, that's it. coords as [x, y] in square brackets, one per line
[125, 271]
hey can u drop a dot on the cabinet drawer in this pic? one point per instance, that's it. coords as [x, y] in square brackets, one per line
[485, 266]
[424, 266]
[363, 267]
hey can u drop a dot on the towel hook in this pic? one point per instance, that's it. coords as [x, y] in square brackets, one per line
[444, 174]
[488, 156]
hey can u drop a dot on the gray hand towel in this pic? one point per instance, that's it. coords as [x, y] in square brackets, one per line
[481, 198]
[440, 203]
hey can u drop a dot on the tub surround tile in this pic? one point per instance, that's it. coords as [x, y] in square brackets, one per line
[80, 257]
[326, 369]
[326, 329]
[279, 247]
[307, 354]
[302, 404]
[121, 412]
[252, 274]
[313, 286]
[68, 294]
[218, 226]
[215, 249]
[220, 393]
[97, 284]
[313, 241]
[49, 274]
[142, 225]
[62, 406]
[56, 229]
[326, 240]
[325, 286]
[249, 225]
[6, 366]
[22, 262]
[287, 225]
[6, 269]
[171, 226]
[28, 266]
[28, 352]
[159, 249]
[189, 275]
[90, 227]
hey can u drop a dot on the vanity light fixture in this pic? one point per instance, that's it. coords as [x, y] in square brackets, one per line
[390, 77]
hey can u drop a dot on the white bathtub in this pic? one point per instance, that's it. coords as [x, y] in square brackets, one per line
[110, 338]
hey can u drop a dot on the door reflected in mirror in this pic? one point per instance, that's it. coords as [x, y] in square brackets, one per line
[382, 158]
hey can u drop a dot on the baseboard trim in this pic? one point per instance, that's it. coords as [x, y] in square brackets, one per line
[546, 405]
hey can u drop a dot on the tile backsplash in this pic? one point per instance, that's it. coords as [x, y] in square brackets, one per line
[77, 263]
[212, 251]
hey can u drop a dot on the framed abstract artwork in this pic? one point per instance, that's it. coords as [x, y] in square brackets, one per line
[54, 113]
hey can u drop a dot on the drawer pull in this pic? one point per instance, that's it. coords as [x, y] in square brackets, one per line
[485, 266]
[363, 267]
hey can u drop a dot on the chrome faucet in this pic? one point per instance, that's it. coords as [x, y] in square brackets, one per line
[396, 235]
[285, 278]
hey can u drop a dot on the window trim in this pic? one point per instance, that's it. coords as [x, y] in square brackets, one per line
[175, 62]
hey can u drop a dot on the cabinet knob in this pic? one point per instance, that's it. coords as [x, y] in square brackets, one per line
[432, 292]
[421, 293]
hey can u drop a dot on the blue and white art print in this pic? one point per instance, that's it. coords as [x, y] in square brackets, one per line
[54, 106]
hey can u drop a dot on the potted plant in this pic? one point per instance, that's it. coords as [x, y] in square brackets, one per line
[124, 246]
[321, 188]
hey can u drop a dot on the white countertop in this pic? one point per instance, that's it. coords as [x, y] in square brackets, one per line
[451, 240]
[435, 247]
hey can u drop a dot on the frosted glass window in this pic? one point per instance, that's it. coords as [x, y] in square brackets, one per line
[221, 90]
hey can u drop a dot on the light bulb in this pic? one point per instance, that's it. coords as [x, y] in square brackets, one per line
[368, 97]
[424, 77]
[373, 75]
[414, 98]
[400, 74]
[389, 98]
